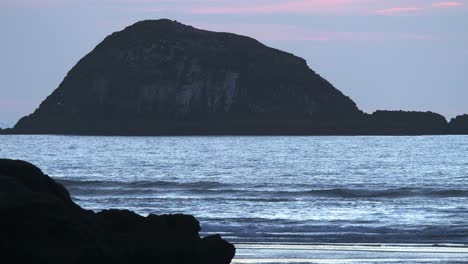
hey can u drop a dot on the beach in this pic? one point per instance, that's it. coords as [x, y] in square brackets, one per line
[350, 253]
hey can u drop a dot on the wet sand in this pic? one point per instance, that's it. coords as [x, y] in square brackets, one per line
[350, 253]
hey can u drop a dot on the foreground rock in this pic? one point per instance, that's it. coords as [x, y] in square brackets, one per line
[459, 125]
[41, 224]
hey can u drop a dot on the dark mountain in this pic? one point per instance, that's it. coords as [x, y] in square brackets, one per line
[162, 77]
[165, 77]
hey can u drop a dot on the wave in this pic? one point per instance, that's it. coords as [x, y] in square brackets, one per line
[258, 230]
[389, 193]
[214, 188]
[139, 184]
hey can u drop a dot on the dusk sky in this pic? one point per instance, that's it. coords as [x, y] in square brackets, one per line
[384, 54]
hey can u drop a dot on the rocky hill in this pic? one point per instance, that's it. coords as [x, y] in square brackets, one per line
[162, 76]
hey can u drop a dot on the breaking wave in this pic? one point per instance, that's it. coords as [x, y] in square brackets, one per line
[214, 188]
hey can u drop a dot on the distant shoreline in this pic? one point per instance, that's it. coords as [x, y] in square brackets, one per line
[394, 123]
[231, 135]
[380, 123]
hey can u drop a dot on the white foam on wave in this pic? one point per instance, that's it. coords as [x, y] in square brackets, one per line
[414, 248]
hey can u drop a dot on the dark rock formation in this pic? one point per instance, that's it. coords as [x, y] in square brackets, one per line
[163, 77]
[407, 123]
[6, 131]
[41, 224]
[459, 125]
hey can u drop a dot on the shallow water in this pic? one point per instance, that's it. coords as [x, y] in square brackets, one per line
[349, 253]
[271, 189]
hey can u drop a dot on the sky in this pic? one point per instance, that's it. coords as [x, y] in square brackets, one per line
[384, 54]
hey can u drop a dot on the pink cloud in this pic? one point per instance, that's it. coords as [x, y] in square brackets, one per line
[251, 7]
[417, 10]
[364, 36]
[400, 10]
[304, 6]
[447, 4]
[276, 32]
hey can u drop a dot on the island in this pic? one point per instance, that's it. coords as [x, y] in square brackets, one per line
[161, 77]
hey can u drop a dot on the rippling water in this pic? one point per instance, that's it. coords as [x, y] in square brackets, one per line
[263, 189]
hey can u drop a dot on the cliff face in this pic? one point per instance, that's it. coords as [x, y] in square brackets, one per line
[161, 72]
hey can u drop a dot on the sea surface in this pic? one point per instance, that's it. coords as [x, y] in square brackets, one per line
[296, 190]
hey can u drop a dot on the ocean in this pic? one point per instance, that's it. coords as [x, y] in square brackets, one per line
[288, 190]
